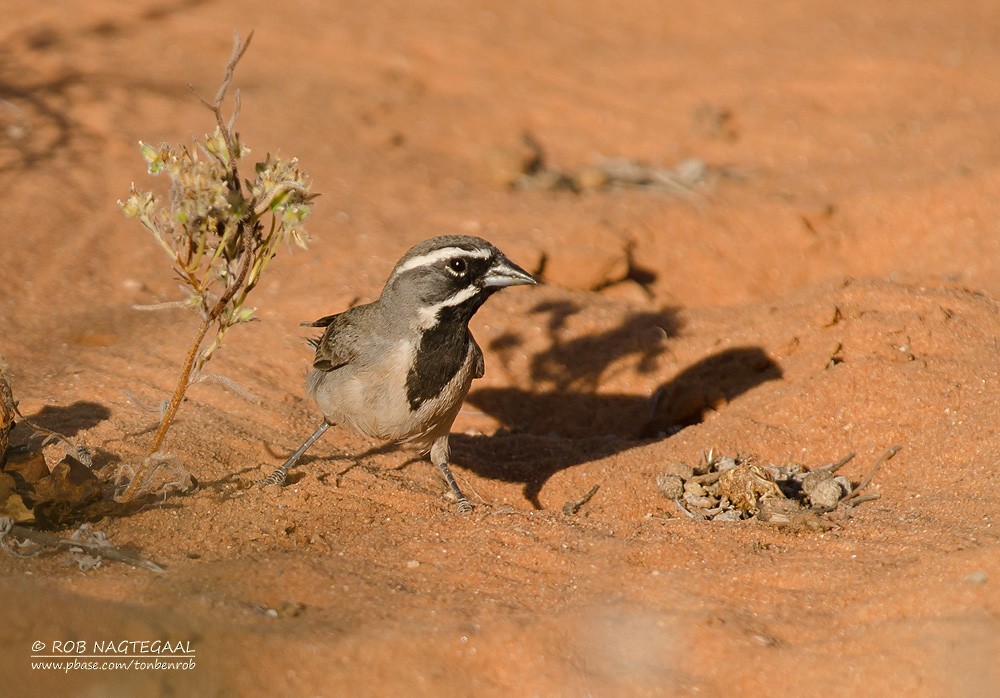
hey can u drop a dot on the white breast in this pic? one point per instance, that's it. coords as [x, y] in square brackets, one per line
[373, 398]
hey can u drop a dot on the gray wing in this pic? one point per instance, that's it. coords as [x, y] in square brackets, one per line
[340, 342]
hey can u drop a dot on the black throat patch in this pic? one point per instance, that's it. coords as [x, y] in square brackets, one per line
[441, 353]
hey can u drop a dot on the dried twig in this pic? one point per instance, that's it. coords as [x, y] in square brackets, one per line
[708, 478]
[863, 498]
[834, 467]
[854, 497]
[689, 514]
[99, 547]
[572, 507]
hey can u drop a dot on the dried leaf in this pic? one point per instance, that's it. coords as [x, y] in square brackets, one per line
[65, 494]
[13, 506]
[746, 485]
[787, 515]
[31, 467]
[11, 502]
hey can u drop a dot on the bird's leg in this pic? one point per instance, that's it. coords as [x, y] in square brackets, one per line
[439, 457]
[280, 474]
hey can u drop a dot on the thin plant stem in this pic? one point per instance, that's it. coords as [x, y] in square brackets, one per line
[213, 231]
[184, 380]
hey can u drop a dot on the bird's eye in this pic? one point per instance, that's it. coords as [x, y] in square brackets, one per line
[458, 266]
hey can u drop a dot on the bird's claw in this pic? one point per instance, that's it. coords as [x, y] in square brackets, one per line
[278, 478]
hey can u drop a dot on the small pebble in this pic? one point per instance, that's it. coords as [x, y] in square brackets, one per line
[826, 494]
[977, 577]
[725, 463]
[699, 502]
[684, 472]
[289, 609]
[728, 515]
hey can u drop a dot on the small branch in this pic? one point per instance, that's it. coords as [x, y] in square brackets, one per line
[863, 498]
[229, 383]
[160, 306]
[236, 104]
[182, 384]
[572, 507]
[239, 48]
[184, 379]
[853, 497]
[834, 467]
[687, 513]
[104, 550]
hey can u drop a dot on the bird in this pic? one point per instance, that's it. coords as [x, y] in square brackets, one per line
[398, 369]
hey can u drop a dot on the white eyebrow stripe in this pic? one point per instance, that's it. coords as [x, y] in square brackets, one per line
[429, 315]
[438, 255]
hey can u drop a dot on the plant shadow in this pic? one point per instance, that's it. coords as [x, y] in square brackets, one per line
[581, 362]
[70, 420]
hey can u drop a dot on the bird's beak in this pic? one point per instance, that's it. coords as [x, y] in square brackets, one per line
[505, 273]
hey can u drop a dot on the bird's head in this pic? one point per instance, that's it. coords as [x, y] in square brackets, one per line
[450, 276]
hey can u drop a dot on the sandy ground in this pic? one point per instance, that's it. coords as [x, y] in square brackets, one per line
[829, 285]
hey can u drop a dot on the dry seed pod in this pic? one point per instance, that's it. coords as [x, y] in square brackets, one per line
[746, 485]
[684, 472]
[670, 486]
[694, 489]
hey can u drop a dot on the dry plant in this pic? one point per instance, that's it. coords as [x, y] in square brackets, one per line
[220, 232]
[8, 408]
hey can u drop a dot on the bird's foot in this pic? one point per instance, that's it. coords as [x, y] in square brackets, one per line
[278, 477]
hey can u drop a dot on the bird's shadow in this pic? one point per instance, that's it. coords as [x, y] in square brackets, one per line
[547, 432]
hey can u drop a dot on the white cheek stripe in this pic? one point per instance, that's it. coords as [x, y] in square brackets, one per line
[429, 315]
[439, 255]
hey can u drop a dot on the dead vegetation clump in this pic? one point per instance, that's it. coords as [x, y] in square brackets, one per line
[525, 167]
[792, 496]
[30, 490]
[33, 495]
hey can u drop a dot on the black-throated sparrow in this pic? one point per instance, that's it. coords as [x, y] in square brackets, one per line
[398, 369]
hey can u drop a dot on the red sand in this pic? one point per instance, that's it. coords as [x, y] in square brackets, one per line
[853, 212]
